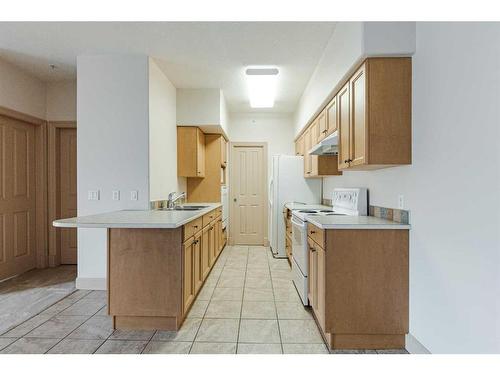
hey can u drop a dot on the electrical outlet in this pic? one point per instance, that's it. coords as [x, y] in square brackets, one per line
[116, 195]
[401, 201]
[134, 195]
[93, 195]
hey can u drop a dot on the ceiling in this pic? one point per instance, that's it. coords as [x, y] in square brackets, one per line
[191, 54]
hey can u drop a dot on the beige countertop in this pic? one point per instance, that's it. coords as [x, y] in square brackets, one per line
[354, 222]
[137, 218]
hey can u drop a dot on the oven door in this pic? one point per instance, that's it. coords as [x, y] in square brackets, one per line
[299, 244]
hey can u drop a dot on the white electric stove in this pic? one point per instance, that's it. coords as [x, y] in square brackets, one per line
[345, 201]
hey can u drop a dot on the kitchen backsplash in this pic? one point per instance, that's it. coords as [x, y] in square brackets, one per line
[394, 214]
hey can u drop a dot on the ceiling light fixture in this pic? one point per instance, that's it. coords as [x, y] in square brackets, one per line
[261, 83]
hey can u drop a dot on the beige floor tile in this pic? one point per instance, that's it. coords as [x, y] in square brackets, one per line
[282, 283]
[258, 283]
[198, 308]
[305, 349]
[205, 293]
[213, 348]
[218, 330]
[347, 351]
[253, 294]
[84, 307]
[289, 294]
[258, 272]
[103, 311]
[97, 328]
[259, 331]
[58, 307]
[27, 326]
[162, 347]
[258, 310]
[392, 351]
[73, 346]
[299, 332]
[292, 310]
[187, 332]
[244, 348]
[227, 294]
[231, 282]
[5, 341]
[57, 327]
[281, 274]
[30, 345]
[223, 309]
[279, 264]
[122, 347]
[138, 335]
[231, 272]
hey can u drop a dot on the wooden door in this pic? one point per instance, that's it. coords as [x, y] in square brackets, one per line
[67, 193]
[343, 120]
[197, 263]
[17, 197]
[248, 194]
[320, 286]
[358, 135]
[205, 252]
[187, 275]
[331, 116]
[322, 125]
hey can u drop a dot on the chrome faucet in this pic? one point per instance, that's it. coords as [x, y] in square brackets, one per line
[174, 197]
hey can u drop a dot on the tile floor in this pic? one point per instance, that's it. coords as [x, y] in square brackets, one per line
[248, 305]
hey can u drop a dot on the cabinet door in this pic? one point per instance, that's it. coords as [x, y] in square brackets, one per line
[322, 125]
[343, 119]
[358, 134]
[320, 287]
[200, 153]
[187, 277]
[223, 151]
[307, 157]
[312, 277]
[315, 132]
[205, 252]
[331, 116]
[211, 244]
[197, 263]
[299, 146]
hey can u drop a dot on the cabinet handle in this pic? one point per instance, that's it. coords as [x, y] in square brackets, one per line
[312, 232]
[346, 161]
[312, 249]
[324, 131]
[195, 226]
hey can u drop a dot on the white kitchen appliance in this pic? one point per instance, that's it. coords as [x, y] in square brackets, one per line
[225, 206]
[349, 201]
[288, 185]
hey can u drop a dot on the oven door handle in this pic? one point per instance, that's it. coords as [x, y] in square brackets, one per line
[301, 224]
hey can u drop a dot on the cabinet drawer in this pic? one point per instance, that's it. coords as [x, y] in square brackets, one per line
[317, 234]
[207, 218]
[192, 227]
[218, 211]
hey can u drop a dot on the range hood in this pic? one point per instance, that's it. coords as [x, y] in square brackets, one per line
[328, 146]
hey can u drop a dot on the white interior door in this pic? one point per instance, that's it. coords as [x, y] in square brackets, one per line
[248, 194]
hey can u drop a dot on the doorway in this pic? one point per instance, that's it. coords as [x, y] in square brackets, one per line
[62, 191]
[248, 191]
[17, 197]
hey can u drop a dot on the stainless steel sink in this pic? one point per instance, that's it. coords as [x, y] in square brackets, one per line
[184, 208]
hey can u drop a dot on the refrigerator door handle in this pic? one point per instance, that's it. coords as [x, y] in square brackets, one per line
[271, 192]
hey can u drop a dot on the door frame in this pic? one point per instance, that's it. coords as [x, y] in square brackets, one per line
[41, 249]
[54, 250]
[265, 192]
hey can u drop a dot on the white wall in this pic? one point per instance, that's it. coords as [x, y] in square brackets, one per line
[21, 92]
[198, 106]
[350, 43]
[224, 114]
[451, 188]
[113, 147]
[275, 129]
[61, 101]
[162, 136]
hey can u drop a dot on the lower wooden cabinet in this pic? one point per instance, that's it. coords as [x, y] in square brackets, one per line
[197, 263]
[188, 274]
[205, 252]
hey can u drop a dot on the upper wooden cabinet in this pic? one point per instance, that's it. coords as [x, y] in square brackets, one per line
[331, 117]
[299, 146]
[322, 125]
[343, 121]
[190, 152]
[223, 152]
[379, 131]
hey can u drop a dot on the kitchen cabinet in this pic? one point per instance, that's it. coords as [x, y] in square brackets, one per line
[288, 234]
[197, 263]
[219, 233]
[376, 132]
[190, 152]
[205, 252]
[331, 117]
[188, 291]
[314, 133]
[307, 157]
[322, 125]
[358, 286]
[299, 146]
[223, 152]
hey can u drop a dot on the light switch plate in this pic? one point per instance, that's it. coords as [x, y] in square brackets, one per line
[93, 195]
[134, 195]
[116, 195]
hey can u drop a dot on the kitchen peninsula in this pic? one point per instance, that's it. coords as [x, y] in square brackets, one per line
[158, 261]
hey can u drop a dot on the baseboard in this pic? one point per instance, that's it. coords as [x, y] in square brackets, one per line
[413, 346]
[89, 283]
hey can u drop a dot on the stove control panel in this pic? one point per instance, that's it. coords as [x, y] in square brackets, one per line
[350, 201]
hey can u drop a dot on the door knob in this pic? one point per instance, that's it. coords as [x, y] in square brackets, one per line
[234, 199]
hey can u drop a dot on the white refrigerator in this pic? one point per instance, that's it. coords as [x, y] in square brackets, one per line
[288, 185]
